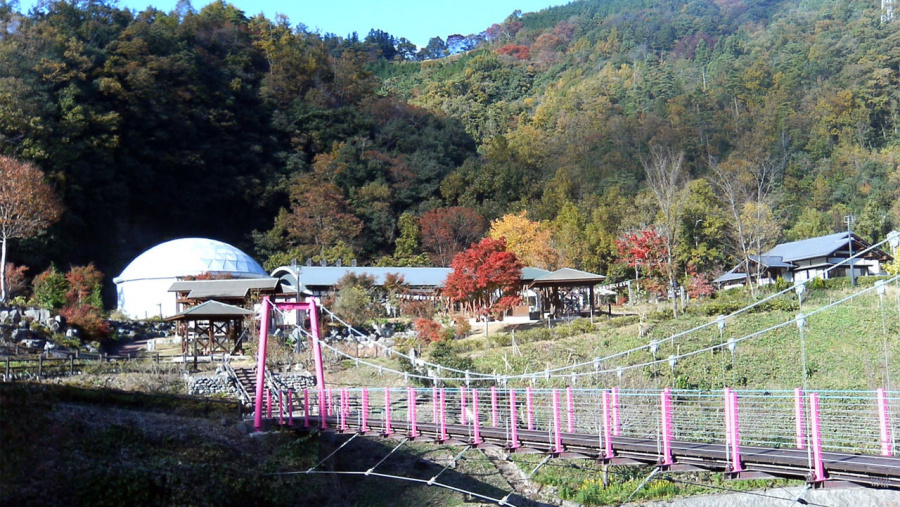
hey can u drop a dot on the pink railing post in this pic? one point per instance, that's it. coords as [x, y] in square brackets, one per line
[816, 435]
[728, 419]
[557, 437]
[665, 405]
[512, 420]
[529, 408]
[735, 434]
[290, 407]
[443, 435]
[884, 423]
[387, 411]
[314, 333]
[476, 431]
[493, 406]
[615, 411]
[434, 404]
[799, 422]
[364, 424]
[261, 361]
[570, 411]
[269, 403]
[329, 411]
[411, 411]
[347, 408]
[281, 407]
[306, 408]
[462, 406]
[341, 410]
[607, 431]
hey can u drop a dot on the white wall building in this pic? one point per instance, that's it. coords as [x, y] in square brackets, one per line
[142, 289]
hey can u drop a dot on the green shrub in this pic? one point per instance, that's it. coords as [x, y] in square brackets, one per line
[780, 284]
[50, 289]
[500, 340]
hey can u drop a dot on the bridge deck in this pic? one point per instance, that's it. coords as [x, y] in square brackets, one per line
[861, 469]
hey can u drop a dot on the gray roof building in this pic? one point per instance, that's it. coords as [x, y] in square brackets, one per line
[808, 258]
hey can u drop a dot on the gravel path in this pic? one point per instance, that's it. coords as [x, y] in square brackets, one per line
[843, 497]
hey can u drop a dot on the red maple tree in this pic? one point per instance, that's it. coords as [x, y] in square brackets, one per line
[644, 250]
[485, 277]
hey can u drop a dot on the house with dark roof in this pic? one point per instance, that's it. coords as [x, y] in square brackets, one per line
[805, 259]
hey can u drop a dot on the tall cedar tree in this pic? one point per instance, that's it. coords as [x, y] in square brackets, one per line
[27, 206]
[485, 277]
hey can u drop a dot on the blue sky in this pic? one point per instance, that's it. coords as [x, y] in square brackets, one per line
[417, 20]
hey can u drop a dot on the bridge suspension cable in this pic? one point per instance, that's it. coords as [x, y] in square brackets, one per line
[721, 344]
[723, 318]
[498, 501]
[468, 376]
[554, 373]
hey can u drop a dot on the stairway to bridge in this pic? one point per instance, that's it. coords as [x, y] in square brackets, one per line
[246, 378]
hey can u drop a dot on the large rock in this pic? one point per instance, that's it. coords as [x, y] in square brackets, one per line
[38, 314]
[22, 334]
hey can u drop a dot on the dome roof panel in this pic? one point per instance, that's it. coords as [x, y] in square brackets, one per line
[190, 256]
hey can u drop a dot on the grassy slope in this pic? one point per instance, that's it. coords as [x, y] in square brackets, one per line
[56, 451]
[845, 350]
[844, 346]
[72, 446]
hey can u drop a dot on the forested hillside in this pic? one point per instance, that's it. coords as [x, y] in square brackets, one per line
[781, 118]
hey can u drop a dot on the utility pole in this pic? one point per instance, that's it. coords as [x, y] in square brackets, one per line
[295, 269]
[849, 220]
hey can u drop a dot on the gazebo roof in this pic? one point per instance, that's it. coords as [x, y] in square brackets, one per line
[568, 277]
[212, 310]
[232, 288]
[529, 274]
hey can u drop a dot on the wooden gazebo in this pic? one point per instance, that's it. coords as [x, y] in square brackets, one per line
[211, 327]
[234, 291]
[557, 285]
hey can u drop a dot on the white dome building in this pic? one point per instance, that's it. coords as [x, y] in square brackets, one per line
[143, 287]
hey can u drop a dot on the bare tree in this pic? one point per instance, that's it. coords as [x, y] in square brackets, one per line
[766, 175]
[27, 206]
[664, 170]
[749, 191]
[734, 195]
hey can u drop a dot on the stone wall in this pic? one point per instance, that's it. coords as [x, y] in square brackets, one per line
[210, 385]
[296, 381]
[220, 383]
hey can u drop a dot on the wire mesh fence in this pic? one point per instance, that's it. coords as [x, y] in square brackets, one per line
[848, 421]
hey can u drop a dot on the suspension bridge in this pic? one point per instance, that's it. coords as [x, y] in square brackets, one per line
[825, 438]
